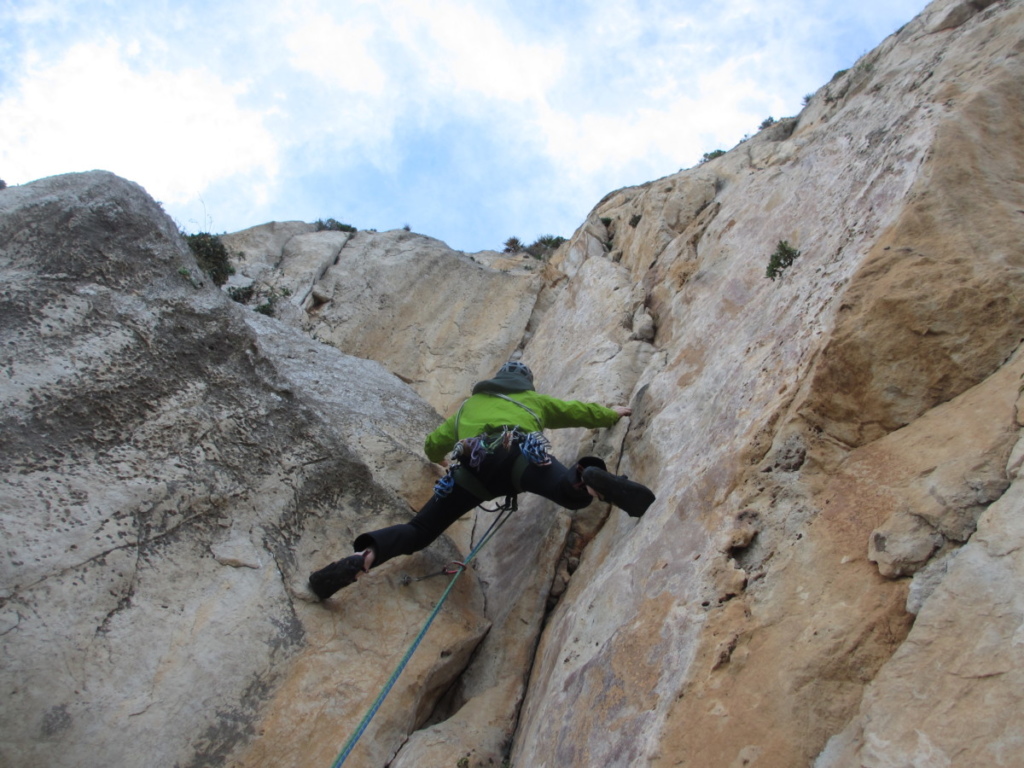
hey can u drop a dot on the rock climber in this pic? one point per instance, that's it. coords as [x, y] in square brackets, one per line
[497, 449]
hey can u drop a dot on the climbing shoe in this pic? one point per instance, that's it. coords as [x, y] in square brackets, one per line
[629, 496]
[333, 577]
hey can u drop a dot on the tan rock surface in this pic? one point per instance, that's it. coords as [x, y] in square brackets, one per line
[952, 693]
[438, 318]
[262, 247]
[477, 719]
[746, 412]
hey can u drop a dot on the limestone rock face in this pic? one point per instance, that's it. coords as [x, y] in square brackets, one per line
[831, 573]
[813, 440]
[439, 319]
[173, 466]
[259, 249]
[950, 695]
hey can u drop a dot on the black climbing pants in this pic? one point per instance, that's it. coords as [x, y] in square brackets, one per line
[553, 481]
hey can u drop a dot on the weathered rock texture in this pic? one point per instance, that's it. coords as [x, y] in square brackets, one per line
[435, 317]
[173, 465]
[831, 575]
[811, 439]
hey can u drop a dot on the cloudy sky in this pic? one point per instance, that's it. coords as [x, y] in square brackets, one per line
[468, 120]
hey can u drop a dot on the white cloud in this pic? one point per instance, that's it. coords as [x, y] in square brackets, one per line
[467, 51]
[439, 52]
[337, 98]
[377, 69]
[659, 118]
[40, 11]
[173, 132]
[337, 53]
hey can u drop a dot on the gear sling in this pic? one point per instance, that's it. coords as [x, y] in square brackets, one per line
[471, 451]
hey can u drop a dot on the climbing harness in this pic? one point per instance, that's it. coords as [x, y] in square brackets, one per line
[505, 513]
[536, 448]
[470, 453]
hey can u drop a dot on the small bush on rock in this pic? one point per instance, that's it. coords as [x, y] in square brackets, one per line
[211, 255]
[549, 241]
[544, 246]
[541, 248]
[269, 305]
[241, 294]
[333, 225]
[779, 261]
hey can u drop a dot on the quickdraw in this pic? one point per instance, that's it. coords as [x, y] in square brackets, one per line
[452, 568]
[536, 448]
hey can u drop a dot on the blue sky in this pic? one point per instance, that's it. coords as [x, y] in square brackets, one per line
[469, 121]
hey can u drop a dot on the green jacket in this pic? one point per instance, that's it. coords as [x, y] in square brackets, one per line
[485, 412]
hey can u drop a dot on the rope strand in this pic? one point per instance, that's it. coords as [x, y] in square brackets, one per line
[361, 728]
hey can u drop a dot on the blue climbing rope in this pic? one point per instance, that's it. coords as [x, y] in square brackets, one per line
[506, 513]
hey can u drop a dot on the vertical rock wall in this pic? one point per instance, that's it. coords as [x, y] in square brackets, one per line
[783, 424]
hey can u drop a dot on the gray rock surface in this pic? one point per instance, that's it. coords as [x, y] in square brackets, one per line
[173, 465]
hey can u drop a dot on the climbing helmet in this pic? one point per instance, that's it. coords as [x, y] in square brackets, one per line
[514, 366]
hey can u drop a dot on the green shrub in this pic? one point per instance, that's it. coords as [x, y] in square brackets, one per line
[513, 245]
[712, 155]
[211, 256]
[549, 241]
[242, 294]
[333, 225]
[544, 246]
[187, 274]
[779, 261]
[766, 123]
[269, 306]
